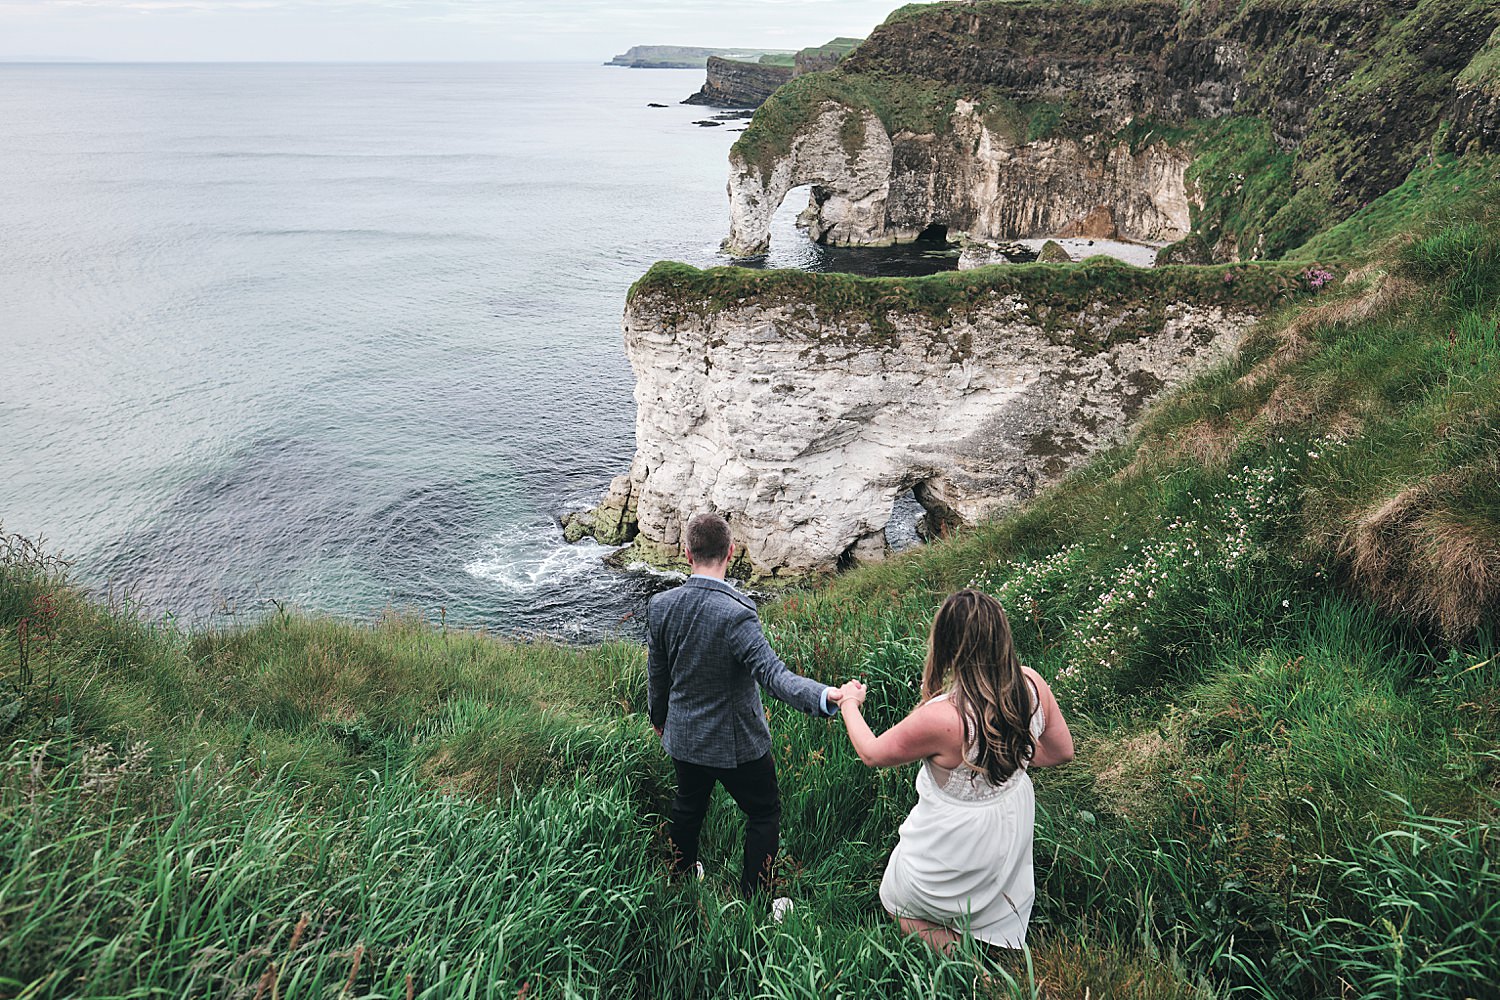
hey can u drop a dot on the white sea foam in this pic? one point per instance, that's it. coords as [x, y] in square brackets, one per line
[529, 558]
[666, 574]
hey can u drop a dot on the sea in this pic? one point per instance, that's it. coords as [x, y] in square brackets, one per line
[345, 338]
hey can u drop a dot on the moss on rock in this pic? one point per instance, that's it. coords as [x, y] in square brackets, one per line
[1190, 250]
[852, 311]
[1053, 253]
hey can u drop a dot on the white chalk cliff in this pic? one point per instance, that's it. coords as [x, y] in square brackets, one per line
[803, 427]
[873, 189]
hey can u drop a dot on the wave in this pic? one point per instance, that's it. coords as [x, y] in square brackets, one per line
[529, 558]
[646, 569]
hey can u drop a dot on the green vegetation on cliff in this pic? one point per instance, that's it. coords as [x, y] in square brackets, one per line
[829, 52]
[1053, 296]
[1484, 69]
[914, 108]
[1299, 114]
[1272, 619]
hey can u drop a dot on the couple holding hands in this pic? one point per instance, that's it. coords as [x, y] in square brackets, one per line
[964, 857]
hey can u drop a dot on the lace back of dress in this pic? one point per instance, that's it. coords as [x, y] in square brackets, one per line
[970, 783]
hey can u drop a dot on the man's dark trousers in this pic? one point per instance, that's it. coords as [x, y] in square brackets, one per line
[753, 788]
[707, 663]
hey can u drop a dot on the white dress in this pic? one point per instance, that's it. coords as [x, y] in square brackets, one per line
[964, 858]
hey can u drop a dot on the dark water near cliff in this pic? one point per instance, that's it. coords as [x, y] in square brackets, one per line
[340, 336]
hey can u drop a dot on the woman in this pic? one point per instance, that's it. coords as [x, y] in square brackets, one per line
[964, 859]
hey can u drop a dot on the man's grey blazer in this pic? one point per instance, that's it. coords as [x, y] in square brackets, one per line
[707, 653]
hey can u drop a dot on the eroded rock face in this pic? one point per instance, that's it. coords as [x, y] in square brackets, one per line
[1097, 112]
[803, 428]
[1476, 119]
[845, 153]
[872, 189]
[734, 84]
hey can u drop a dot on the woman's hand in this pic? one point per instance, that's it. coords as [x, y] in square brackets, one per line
[931, 728]
[852, 695]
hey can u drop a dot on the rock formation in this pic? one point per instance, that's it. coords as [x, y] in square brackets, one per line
[802, 405]
[1475, 109]
[1052, 252]
[734, 84]
[1191, 250]
[822, 58]
[1033, 119]
[869, 189]
[741, 83]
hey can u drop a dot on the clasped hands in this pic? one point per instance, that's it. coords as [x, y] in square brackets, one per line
[852, 694]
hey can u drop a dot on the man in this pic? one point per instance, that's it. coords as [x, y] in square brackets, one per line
[707, 653]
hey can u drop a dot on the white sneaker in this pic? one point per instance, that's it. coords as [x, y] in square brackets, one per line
[780, 907]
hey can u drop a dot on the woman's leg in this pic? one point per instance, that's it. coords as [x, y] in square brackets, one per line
[942, 939]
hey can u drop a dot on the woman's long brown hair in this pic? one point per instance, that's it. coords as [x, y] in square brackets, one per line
[971, 643]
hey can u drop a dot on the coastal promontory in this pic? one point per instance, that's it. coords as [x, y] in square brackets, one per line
[802, 405]
[1253, 125]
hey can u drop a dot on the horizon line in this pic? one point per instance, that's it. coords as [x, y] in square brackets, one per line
[86, 61]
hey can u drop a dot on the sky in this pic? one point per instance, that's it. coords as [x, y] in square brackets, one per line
[381, 30]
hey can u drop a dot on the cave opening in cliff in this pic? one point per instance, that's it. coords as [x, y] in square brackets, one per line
[802, 238]
[902, 531]
[935, 233]
[792, 245]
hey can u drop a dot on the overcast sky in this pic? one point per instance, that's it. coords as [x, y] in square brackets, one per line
[593, 30]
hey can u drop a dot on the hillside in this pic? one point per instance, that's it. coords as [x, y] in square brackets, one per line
[1270, 609]
[1271, 618]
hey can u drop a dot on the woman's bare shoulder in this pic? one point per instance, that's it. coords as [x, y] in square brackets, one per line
[1035, 678]
[943, 730]
[937, 712]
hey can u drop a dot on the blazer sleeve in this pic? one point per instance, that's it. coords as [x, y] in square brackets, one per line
[658, 677]
[749, 645]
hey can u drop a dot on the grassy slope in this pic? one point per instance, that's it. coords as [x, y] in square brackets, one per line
[1271, 619]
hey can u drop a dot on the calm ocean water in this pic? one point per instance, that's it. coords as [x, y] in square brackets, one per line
[341, 336]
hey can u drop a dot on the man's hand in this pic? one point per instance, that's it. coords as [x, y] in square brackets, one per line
[659, 731]
[834, 695]
[851, 695]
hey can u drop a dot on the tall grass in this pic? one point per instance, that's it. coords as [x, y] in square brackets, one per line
[1265, 617]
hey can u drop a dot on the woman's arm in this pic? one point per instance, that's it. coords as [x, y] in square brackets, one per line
[930, 729]
[1056, 743]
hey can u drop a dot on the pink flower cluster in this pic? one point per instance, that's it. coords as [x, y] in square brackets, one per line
[1317, 277]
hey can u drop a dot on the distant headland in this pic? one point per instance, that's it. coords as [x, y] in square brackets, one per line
[686, 56]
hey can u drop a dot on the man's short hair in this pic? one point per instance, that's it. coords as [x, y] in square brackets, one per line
[708, 539]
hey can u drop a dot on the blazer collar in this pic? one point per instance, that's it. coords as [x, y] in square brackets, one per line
[709, 583]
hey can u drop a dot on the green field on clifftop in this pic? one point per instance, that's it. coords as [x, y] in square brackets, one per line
[1271, 619]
